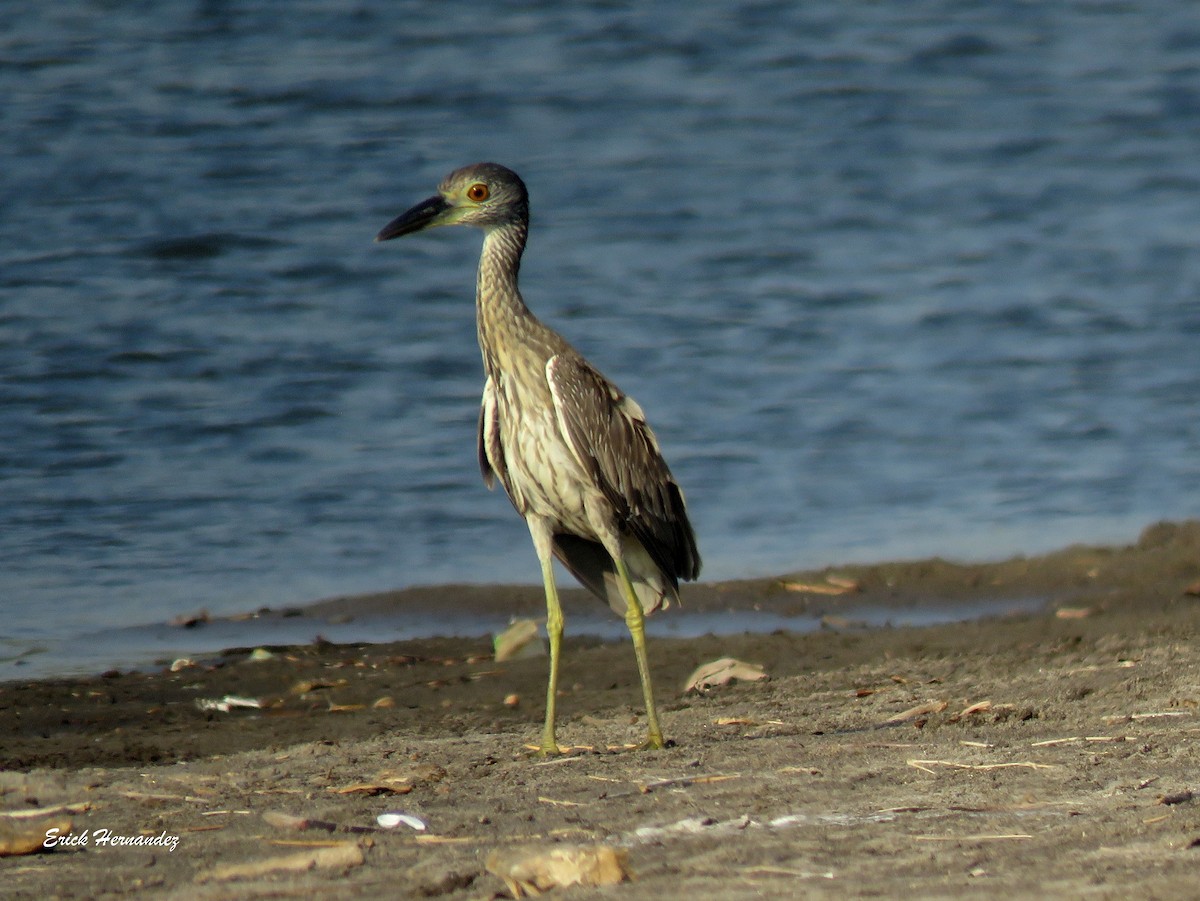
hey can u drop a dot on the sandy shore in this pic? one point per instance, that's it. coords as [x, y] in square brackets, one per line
[1043, 754]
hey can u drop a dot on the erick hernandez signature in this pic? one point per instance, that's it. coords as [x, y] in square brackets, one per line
[102, 838]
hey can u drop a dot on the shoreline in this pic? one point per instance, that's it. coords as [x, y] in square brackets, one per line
[471, 610]
[1051, 751]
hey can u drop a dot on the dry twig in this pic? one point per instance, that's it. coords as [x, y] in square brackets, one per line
[971, 838]
[926, 764]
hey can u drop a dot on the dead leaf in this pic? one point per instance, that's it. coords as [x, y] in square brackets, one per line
[282, 820]
[387, 786]
[228, 703]
[722, 672]
[341, 855]
[919, 710]
[518, 641]
[1181, 797]
[308, 685]
[971, 710]
[831, 586]
[533, 872]
[833, 621]
[26, 835]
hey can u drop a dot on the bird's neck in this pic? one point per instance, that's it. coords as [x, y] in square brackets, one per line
[499, 264]
[503, 320]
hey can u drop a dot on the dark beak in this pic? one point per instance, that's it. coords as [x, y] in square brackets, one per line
[423, 215]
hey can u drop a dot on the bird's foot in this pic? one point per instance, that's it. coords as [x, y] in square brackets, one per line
[549, 746]
[654, 742]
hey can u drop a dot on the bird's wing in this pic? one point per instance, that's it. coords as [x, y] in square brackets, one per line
[491, 452]
[608, 435]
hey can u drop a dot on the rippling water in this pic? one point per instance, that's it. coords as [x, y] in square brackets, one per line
[889, 279]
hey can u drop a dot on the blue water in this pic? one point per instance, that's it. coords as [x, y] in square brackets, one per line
[890, 279]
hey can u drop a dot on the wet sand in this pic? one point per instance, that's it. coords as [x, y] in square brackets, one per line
[1051, 753]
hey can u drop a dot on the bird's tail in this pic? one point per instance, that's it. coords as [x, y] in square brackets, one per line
[591, 564]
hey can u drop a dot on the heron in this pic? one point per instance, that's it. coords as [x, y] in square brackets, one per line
[573, 453]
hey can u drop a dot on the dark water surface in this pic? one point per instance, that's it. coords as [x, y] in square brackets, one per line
[890, 279]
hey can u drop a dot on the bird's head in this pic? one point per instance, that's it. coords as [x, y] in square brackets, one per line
[484, 195]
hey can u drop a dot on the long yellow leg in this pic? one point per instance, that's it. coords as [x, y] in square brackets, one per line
[554, 631]
[635, 619]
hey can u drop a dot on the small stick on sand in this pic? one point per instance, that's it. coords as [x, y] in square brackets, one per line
[926, 764]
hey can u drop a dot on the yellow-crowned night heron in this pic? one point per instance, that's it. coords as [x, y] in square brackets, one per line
[574, 454]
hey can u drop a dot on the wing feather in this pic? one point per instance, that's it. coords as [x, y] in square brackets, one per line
[489, 448]
[608, 435]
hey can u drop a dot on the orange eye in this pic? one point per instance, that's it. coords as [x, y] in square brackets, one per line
[478, 192]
